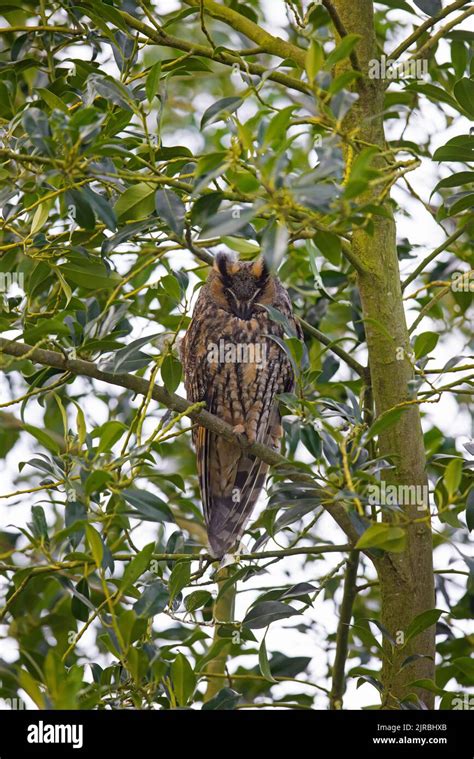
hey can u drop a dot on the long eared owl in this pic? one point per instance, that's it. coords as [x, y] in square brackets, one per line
[231, 362]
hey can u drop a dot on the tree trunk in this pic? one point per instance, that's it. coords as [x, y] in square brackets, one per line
[223, 612]
[406, 579]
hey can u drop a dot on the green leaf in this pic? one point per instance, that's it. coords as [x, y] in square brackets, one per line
[43, 437]
[88, 273]
[422, 622]
[466, 665]
[383, 536]
[110, 433]
[32, 688]
[80, 424]
[102, 208]
[95, 544]
[263, 614]
[184, 679]
[130, 357]
[263, 662]
[136, 567]
[39, 525]
[225, 699]
[314, 59]
[197, 600]
[343, 50]
[40, 216]
[153, 81]
[136, 202]
[148, 506]
[412, 659]
[455, 180]
[452, 477]
[427, 684]
[79, 608]
[470, 510]
[80, 208]
[153, 600]
[220, 110]
[276, 130]
[459, 148]
[384, 421]
[97, 481]
[170, 208]
[179, 578]
[425, 343]
[227, 222]
[51, 99]
[430, 7]
[274, 244]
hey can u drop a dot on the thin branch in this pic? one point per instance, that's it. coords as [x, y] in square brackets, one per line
[25, 158]
[409, 41]
[41, 28]
[175, 403]
[227, 58]
[439, 295]
[422, 266]
[441, 33]
[342, 635]
[341, 30]
[358, 368]
[268, 43]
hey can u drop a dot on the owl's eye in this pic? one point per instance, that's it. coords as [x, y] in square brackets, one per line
[229, 292]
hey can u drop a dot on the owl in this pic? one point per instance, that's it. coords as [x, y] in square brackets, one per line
[232, 363]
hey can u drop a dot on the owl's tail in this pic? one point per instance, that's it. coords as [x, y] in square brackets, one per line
[228, 515]
[231, 482]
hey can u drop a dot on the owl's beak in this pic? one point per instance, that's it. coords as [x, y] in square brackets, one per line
[242, 308]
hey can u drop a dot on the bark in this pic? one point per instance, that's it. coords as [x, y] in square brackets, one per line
[406, 579]
[223, 612]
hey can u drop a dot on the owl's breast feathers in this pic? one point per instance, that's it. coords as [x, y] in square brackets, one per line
[236, 367]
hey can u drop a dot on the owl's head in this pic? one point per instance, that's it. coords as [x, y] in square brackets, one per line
[240, 287]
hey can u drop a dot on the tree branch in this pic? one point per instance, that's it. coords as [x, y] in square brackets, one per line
[268, 43]
[362, 371]
[419, 269]
[441, 33]
[408, 42]
[228, 58]
[341, 30]
[342, 635]
[175, 403]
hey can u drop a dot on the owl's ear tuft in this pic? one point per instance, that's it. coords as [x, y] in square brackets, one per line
[260, 271]
[224, 264]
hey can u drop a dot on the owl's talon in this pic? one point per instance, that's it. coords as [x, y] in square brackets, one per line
[239, 429]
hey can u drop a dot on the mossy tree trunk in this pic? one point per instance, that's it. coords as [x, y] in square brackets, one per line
[406, 579]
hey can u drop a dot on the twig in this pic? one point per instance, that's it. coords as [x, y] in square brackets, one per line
[227, 58]
[361, 370]
[409, 41]
[341, 30]
[342, 635]
[441, 33]
[422, 266]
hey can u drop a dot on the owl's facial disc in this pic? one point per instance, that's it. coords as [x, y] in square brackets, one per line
[243, 284]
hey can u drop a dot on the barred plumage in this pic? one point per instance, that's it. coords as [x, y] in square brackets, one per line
[232, 363]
